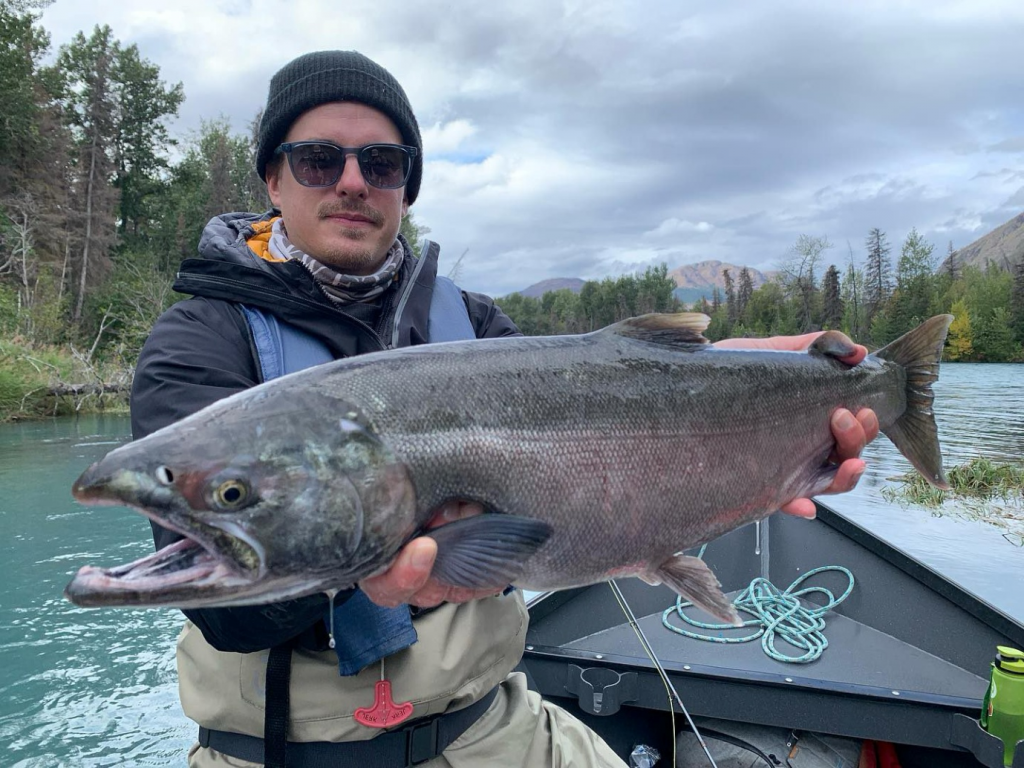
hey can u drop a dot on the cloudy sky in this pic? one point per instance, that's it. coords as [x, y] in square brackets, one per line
[587, 138]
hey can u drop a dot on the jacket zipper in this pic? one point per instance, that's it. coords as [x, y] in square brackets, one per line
[385, 309]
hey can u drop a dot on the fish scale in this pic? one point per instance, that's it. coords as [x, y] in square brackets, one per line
[594, 455]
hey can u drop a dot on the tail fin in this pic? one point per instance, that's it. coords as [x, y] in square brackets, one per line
[914, 433]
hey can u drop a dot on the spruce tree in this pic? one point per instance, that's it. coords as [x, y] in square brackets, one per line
[730, 298]
[746, 290]
[877, 273]
[86, 66]
[951, 267]
[1017, 302]
[832, 302]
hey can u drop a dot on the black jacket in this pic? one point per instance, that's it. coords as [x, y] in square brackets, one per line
[201, 350]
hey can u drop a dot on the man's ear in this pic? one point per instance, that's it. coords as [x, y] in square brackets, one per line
[405, 207]
[274, 183]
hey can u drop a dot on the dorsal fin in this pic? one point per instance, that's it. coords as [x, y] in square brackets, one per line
[674, 329]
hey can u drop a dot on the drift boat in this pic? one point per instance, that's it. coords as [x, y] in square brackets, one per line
[907, 662]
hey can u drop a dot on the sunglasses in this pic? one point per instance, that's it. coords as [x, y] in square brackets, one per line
[319, 164]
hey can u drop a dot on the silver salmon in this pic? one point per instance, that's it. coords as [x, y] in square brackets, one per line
[595, 456]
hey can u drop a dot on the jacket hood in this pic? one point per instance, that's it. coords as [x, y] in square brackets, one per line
[241, 238]
[235, 265]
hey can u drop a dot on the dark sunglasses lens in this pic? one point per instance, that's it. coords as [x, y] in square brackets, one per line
[384, 167]
[316, 165]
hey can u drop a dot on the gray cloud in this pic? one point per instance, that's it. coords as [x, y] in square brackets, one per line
[603, 122]
[1013, 144]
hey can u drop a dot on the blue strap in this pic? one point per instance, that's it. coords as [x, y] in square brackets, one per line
[448, 319]
[283, 348]
[267, 336]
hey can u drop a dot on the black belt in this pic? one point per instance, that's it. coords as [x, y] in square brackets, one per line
[418, 742]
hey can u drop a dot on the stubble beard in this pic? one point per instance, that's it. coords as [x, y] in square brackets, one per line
[365, 250]
[360, 259]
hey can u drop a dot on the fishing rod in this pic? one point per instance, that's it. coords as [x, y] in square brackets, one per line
[649, 650]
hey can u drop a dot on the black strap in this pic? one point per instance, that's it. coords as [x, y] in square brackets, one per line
[275, 718]
[419, 741]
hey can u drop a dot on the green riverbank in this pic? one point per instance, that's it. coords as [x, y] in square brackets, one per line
[40, 382]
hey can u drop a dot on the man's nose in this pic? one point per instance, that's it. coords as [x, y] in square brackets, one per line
[351, 181]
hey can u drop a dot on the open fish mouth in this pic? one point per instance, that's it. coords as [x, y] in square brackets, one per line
[184, 562]
[209, 564]
[182, 573]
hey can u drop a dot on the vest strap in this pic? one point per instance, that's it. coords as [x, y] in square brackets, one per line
[448, 319]
[275, 719]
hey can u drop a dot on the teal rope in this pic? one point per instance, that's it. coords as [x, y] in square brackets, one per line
[777, 614]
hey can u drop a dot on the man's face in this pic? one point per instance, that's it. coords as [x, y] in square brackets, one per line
[351, 225]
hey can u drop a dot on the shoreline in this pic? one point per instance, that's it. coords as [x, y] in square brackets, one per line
[38, 383]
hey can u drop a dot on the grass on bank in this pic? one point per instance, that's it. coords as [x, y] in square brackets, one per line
[40, 382]
[979, 479]
[983, 489]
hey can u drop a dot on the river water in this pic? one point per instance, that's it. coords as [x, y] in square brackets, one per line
[97, 687]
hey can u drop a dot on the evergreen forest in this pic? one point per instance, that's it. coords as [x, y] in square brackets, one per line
[99, 203]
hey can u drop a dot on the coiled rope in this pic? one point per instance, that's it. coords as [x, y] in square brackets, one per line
[777, 614]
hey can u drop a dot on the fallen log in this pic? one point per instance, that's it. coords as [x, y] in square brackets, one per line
[78, 390]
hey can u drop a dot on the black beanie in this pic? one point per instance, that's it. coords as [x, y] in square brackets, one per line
[325, 76]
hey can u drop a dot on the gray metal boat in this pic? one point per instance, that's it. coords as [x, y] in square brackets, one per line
[907, 660]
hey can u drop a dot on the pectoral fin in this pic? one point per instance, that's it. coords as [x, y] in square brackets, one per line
[691, 578]
[486, 551]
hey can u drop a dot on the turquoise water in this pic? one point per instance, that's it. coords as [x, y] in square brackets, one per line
[97, 687]
[77, 687]
[980, 412]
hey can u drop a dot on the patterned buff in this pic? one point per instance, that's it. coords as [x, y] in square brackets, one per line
[342, 289]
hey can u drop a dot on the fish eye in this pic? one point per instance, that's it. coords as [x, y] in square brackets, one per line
[164, 476]
[231, 494]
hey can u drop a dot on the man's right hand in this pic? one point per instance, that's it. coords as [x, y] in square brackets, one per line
[408, 580]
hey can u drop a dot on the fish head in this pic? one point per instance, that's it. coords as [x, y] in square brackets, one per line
[273, 501]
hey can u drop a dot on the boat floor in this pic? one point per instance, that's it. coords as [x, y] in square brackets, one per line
[858, 660]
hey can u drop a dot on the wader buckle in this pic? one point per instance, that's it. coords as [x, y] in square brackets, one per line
[421, 742]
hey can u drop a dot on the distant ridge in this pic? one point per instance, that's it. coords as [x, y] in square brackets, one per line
[692, 281]
[1003, 246]
[537, 290]
[708, 274]
[697, 281]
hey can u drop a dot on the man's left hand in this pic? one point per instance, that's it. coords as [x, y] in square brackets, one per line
[852, 431]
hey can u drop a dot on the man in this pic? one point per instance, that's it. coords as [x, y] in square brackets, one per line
[340, 151]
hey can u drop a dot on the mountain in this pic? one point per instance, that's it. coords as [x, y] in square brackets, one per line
[693, 281]
[1004, 246]
[537, 290]
[697, 281]
[708, 274]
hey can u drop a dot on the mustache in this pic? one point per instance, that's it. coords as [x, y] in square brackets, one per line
[333, 208]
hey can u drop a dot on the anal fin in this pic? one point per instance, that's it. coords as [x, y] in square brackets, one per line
[691, 578]
[486, 551]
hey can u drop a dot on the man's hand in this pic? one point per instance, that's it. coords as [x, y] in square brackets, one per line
[408, 579]
[851, 431]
